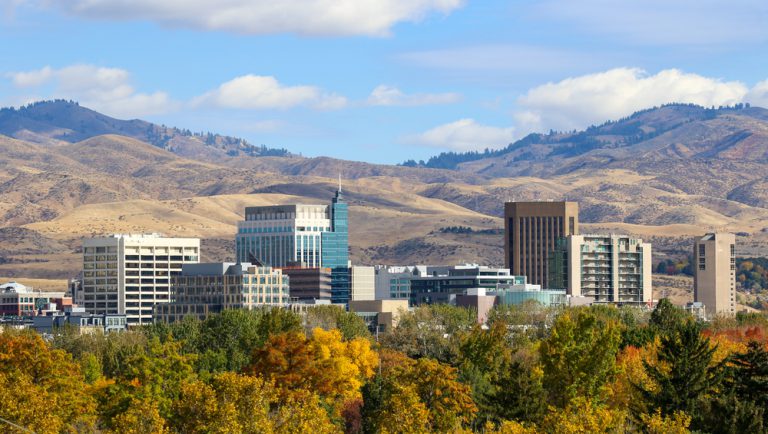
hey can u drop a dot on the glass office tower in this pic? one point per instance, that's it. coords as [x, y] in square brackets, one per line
[335, 253]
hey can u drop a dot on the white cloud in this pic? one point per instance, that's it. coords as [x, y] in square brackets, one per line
[265, 92]
[575, 103]
[306, 17]
[463, 135]
[758, 95]
[107, 90]
[384, 95]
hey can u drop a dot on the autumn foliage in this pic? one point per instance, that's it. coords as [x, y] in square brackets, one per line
[531, 370]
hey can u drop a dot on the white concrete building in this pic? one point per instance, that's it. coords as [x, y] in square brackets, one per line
[129, 274]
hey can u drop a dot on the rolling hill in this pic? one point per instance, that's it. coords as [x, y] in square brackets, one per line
[664, 174]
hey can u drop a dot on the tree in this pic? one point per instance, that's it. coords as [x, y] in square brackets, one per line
[335, 317]
[684, 375]
[156, 375]
[41, 388]
[666, 317]
[579, 357]
[448, 402]
[433, 331]
[325, 364]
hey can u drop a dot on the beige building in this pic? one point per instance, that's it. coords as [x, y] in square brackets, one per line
[130, 274]
[714, 272]
[205, 289]
[606, 268]
[380, 315]
[531, 230]
[363, 283]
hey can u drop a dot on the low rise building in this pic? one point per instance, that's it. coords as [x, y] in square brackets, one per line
[394, 282]
[443, 284]
[78, 318]
[19, 300]
[205, 289]
[380, 315]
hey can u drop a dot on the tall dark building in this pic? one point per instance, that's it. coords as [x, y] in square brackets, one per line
[531, 230]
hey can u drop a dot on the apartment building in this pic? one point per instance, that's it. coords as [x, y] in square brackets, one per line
[129, 274]
[205, 289]
[714, 272]
[606, 268]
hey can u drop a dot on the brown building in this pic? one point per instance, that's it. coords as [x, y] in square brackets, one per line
[714, 273]
[531, 230]
[309, 283]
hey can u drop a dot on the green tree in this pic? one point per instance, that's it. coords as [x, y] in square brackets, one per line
[335, 317]
[579, 357]
[666, 317]
[684, 375]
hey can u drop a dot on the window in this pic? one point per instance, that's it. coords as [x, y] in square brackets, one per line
[702, 249]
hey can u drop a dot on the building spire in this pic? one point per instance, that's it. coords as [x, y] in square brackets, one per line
[339, 182]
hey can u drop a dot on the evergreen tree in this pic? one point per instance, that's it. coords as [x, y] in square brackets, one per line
[685, 373]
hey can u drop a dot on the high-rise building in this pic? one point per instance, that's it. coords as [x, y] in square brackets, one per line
[129, 274]
[531, 230]
[714, 272]
[607, 268]
[315, 235]
[205, 289]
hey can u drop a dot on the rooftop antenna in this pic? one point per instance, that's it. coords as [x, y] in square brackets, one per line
[339, 181]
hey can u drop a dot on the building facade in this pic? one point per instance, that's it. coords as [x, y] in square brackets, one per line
[130, 274]
[205, 289]
[714, 272]
[606, 268]
[18, 300]
[315, 235]
[363, 283]
[307, 284]
[443, 284]
[394, 282]
[531, 230]
[78, 318]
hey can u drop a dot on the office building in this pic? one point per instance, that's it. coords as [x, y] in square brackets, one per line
[606, 268]
[315, 235]
[394, 283]
[18, 300]
[308, 284]
[442, 284]
[129, 274]
[531, 230]
[714, 273]
[205, 289]
[363, 283]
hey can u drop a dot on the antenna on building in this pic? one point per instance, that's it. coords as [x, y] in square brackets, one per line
[339, 181]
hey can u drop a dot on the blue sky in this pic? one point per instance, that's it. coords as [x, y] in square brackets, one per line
[382, 80]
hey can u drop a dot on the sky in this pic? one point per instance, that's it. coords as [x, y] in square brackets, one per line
[382, 81]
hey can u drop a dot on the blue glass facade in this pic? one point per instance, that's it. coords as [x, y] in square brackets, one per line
[314, 235]
[335, 251]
